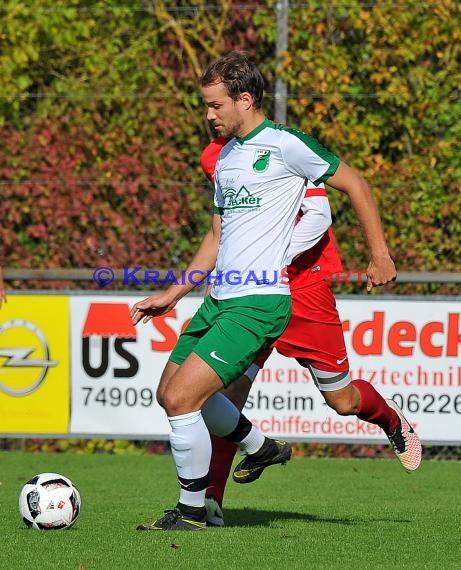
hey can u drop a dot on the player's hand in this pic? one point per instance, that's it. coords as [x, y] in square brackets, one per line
[2, 289]
[2, 296]
[380, 271]
[152, 307]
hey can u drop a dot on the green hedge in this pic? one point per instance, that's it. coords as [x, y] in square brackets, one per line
[102, 124]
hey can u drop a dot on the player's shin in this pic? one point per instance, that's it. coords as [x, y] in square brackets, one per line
[222, 457]
[223, 419]
[191, 450]
[231, 424]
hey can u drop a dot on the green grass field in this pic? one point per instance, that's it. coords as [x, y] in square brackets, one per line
[312, 513]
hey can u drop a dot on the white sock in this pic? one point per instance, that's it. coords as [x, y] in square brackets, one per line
[191, 448]
[220, 414]
[252, 442]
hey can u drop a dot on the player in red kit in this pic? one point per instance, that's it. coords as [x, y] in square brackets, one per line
[314, 337]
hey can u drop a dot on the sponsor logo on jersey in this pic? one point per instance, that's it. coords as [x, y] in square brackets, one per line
[241, 199]
[261, 160]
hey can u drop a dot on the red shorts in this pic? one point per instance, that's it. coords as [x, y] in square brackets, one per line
[314, 332]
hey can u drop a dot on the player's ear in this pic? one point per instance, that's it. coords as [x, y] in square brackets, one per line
[246, 100]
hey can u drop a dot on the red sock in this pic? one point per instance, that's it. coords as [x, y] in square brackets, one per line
[374, 408]
[222, 456]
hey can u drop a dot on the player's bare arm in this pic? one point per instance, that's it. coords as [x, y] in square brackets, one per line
[381, 269]
[203, 261]
[2, 289]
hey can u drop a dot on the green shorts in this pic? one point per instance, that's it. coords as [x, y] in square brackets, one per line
[229, 334]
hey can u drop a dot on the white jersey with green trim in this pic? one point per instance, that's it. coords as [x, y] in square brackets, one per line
[259, 187]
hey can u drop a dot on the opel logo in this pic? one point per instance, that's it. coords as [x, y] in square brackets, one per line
[19, 366]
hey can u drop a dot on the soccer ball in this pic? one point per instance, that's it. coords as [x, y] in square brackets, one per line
[49, 501]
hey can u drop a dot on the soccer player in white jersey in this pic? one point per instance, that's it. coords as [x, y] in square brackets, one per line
[259, 186]
[315, 338]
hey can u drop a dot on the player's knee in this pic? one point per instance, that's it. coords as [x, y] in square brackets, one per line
[163, 385]
[344, 403]
[162, 401]
[342, 407]
[170, 401]
[159, 397]
[176, 402]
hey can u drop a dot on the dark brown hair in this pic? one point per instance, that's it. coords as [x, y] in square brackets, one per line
[239, 74]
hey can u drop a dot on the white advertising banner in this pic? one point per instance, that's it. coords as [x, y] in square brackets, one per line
[116, 367]
[408, 349]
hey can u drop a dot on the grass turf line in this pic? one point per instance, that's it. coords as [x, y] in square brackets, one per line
[312, 513]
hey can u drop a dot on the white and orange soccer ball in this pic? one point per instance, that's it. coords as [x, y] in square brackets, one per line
[49, 501]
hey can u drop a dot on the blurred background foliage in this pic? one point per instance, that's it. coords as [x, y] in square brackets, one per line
[102, 124]
[143, 447]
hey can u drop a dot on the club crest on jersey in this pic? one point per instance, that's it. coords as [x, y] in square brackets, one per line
[261, 160]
